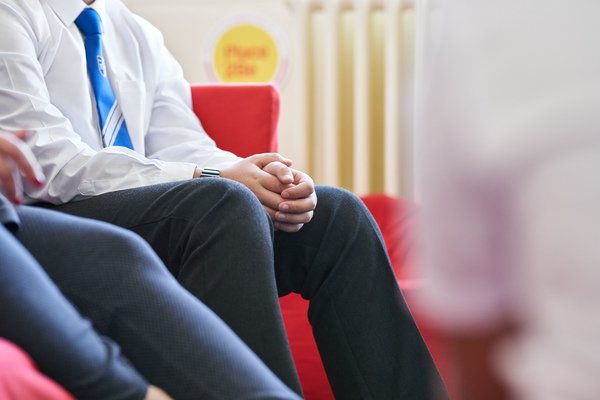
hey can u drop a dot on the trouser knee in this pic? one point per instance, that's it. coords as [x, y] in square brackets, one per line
[229, 238]
[344, 210]
[230, 201]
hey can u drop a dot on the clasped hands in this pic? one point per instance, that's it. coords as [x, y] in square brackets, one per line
[288, 195]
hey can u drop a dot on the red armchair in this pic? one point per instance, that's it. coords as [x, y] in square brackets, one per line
[248, 125]
[241, 118]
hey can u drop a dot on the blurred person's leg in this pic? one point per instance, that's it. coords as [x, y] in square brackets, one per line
[216, 239]
[113, 277]
[36, 316]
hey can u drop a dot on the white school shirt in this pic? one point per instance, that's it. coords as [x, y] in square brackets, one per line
[44, 87]
[510, 168]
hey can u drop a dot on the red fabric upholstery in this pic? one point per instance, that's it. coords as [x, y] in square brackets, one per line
[20, 380]
[241, 118]
[397, 221]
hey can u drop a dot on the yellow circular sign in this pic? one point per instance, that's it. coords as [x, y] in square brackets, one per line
[246, 53]
[246, 48]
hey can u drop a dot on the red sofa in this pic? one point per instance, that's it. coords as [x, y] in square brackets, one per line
[242, 118]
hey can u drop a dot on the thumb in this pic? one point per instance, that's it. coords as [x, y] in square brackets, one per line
[281, 171]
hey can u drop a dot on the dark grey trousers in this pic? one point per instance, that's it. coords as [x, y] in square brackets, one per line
[217, 240]
[113, 277]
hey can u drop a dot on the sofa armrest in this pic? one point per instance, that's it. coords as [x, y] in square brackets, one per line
[241, 118]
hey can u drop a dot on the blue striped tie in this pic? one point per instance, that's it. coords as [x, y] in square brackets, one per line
[114, 129]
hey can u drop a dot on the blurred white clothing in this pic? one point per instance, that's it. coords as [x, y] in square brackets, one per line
[510, 161]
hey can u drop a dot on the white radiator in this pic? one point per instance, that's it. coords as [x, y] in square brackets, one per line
[360, 92]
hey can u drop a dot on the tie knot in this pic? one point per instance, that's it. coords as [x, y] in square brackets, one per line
[89, 22]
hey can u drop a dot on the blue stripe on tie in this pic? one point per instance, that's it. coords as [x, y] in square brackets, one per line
[112, 125]
[123, 138]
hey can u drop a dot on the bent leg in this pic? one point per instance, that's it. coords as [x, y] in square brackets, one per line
[369, 343]
[175, 341]
[37, 317]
